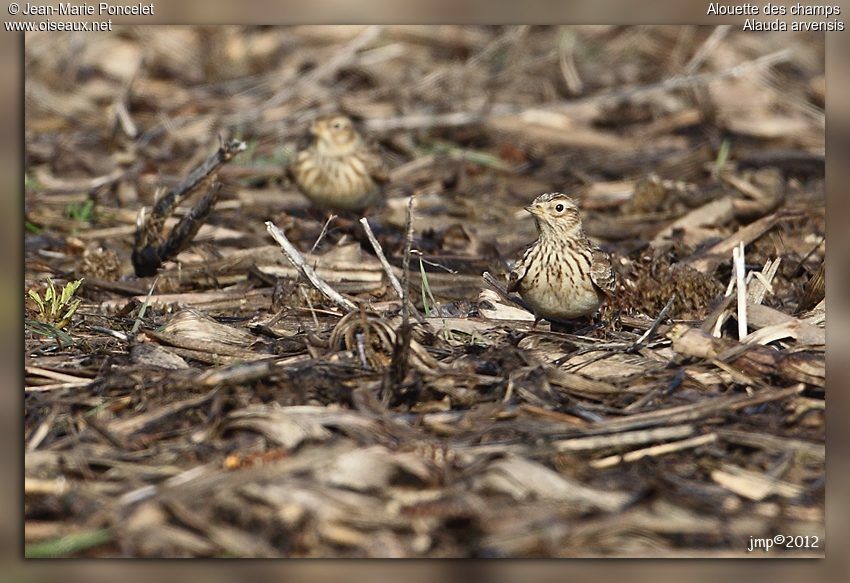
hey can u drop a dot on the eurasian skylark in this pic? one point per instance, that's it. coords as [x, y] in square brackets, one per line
[563, 275]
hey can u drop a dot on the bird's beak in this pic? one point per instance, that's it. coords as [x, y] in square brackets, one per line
[531, 209]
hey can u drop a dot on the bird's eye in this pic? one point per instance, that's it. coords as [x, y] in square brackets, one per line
[337, 125]
[559, 208]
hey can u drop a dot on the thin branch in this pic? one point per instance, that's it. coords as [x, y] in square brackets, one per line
[150, 249]
[394, 282]
[421, 257]
[298, 261]
[226, 152]
[323, 232]
[646, 336]
[503, 293]
[711, 43]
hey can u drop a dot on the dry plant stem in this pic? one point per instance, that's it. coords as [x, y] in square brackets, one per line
[688, 413]
[799, 267]
[56, 387]
[753, 485]
[54, 375]
[740, 282]
[193, 181]
[114, 333]
[323, 232]
[98, 427]
[41, 487]
[149, 249]
[394, 282]
[708, 260]
[773, 443]
[203, 346]
[647, 336]
[711, 43]
[397, 370]
[503, 293]
[306, 299]
[417, 121]
[760, 317]
[762, 285]
[717, 316]
[755, 294]
[815, 290]
[716, 212]
[566, 54]
[408, 245]
[298, 261]
[128, 426]
[38, 436]
[657, 391]
[143, 308]
[623, 439]
[186, 229]
[748, 362]
[653, 451]
[145, 492]
[246, 372]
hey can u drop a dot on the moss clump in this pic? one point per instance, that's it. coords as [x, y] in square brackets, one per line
[654, 279]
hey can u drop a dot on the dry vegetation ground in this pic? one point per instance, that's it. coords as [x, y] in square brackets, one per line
[227, 408]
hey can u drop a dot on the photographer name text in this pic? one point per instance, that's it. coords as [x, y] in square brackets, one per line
[99, 9]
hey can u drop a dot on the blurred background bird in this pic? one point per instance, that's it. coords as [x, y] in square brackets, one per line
[336, 168]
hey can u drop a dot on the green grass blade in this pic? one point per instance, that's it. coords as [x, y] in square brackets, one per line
[138, 323]
[722, 156]
[68, 544]
[426, 289]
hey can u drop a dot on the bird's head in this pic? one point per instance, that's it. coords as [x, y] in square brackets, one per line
[334, 134]
[555, 214]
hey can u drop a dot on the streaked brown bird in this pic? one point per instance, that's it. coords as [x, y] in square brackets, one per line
[336, 168]
[563, 275]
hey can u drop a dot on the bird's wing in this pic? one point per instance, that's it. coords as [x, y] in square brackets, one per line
[602, 271]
